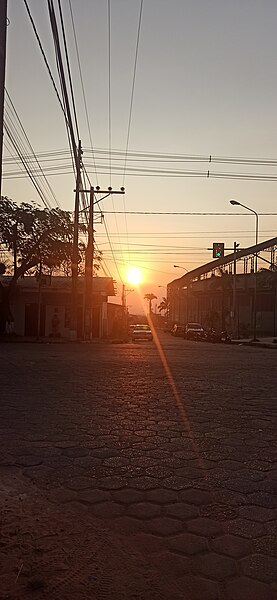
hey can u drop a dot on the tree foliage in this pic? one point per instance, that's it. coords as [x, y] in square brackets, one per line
[164, 305]
[38, 236]
[38, 240]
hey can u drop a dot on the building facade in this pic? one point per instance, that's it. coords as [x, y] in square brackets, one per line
[42, 307]
[210, 301]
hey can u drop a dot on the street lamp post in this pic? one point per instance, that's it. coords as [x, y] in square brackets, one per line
[236, 203]
[180, 267]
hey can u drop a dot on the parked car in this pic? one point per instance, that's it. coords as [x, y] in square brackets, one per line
[178, 330]
[142, 332]
[193, 331]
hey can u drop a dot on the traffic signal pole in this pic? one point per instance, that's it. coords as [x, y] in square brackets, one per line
[234, 303]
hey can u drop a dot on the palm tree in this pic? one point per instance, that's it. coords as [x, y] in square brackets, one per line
[150, 298]
[164, 305]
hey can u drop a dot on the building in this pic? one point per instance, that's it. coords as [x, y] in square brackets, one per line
[210, 302]
[242, 303]
[45, 304]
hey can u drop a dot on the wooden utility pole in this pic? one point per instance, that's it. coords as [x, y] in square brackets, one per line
[75, 252]
[88, 290]
[3, 38]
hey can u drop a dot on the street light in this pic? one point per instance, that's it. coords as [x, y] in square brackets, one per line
[180, 267]
[236, 203]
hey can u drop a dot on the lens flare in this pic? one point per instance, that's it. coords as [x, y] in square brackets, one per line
[134, 276]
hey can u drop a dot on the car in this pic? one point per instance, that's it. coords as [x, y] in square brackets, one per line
[177, 330]
[142, 332]
[193, 331]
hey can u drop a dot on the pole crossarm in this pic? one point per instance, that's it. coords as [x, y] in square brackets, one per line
[108, 192]
[224, 260]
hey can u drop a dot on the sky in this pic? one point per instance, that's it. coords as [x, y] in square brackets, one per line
[204, 86]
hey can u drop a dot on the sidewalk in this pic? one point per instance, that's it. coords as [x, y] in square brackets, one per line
[262, 342]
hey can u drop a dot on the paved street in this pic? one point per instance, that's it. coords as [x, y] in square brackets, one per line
[128, 473]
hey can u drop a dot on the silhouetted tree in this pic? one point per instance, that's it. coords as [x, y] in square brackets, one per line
[39, 239]
[164, 305]
[150, 298]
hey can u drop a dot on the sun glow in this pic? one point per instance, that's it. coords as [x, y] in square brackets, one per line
[134, 276]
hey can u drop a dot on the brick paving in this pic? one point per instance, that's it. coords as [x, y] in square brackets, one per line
[123, 479]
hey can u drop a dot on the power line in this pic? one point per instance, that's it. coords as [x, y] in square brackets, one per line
[34, 156]
[83, 88]
[112, 251]
[44, 56]
[68, 70]
[217, 214]
[140, 156]
[133, 89]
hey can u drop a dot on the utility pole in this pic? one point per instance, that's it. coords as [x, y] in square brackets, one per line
[234, 303]
[3, 38]
[75, 253]
[88, 304]
[88, 289]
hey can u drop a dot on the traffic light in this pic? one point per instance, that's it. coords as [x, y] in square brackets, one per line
[218, 249]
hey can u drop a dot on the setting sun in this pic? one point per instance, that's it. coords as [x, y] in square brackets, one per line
[134, 276]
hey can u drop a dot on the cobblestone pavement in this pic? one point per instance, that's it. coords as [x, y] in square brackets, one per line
[123, 478]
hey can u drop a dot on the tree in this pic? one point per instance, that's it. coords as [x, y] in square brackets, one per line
[150, 298]
[164, 305]
[40, 240]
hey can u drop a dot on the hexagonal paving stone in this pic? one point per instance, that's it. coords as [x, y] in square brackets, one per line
[182, 511]
[194, 496]
[75, 452]
[260, 567]
[231, 546]
[219, 511]
[244, 588]
[88, 462]
[197, 588]
[162, 496]
[176, 483]
[80, 483]
[143, 483]
[214, 566]
[128, 496]
[188, 544]
[164, 526]
[205, 527]
[147, 543]
[257, 513]
[61, 495]
[172, 564]
[112, 483]
[247, 529]
[144, 510]
[263, 499]
[28, 461]
[266, 545]
[107, 509]
[93, 496]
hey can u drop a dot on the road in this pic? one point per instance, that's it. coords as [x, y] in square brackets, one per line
[138, 471]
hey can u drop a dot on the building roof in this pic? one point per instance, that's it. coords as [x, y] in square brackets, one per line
[224, 260]
[100, 285]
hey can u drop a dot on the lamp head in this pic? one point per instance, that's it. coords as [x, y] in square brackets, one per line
[234, 202]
